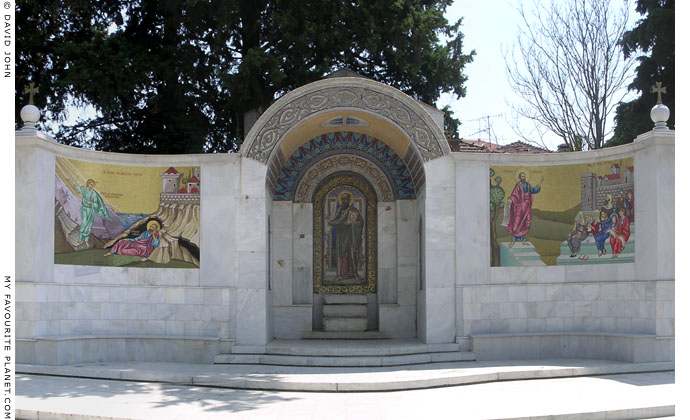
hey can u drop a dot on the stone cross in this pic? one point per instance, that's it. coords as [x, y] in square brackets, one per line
[658, 90]
[31, 90]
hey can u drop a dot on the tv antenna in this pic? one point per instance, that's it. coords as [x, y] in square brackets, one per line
[488, 128]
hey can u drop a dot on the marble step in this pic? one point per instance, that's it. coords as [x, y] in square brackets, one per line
[344, 335]
[521, 254]
[344, 361]
[345, 311]
[344, 324]
[530, 255]
[352, 348]
[345, 299]
[524, 246]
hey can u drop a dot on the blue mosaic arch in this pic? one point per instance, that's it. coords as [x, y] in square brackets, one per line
[347, 142]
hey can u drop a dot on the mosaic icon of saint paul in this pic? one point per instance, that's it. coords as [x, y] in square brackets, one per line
[344, 253]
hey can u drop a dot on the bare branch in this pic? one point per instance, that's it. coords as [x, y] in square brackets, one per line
[568, 67]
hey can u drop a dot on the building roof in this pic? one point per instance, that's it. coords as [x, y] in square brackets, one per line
[193, 180]
[522, 147]
[171, 170]
[465, 146]
[489, 146]
[480, 146]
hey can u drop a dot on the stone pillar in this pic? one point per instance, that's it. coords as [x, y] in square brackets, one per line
[34, 210]
[34, 225]
[654, 206]
[251, 295]
[439, 253]
[472, 243]
[655, 228]
[218, 221]
[387, 253]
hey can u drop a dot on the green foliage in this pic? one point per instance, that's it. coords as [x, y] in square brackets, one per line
[178, 76]
[450, 123]
[654, 35]
[496, 193]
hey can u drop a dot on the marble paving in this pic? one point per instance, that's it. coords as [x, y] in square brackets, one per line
[625, 396]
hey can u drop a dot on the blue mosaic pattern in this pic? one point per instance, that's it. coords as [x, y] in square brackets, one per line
[375, 149]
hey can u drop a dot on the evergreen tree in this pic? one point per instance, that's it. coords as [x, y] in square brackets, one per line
[178, 76]
[654, 36]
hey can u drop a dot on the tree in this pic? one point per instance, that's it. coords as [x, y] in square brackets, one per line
[450, 123]
[178, 76]
[654, 35]
[568, 67]
[496, 196]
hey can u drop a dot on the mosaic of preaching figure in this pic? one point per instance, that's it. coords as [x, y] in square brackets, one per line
[346, 239]
[519, 207]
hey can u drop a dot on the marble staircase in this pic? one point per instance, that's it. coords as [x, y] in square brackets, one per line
[522, 254]
[345, 317]
[345, 353]
[344, 313]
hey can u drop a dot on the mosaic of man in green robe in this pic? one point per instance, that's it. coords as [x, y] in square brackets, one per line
[91, 204]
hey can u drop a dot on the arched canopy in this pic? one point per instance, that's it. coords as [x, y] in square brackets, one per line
[314, 109]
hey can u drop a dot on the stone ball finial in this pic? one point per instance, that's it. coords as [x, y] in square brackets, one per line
[30, 115]
[660, 114]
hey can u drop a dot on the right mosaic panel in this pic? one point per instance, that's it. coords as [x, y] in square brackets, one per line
[562, 215]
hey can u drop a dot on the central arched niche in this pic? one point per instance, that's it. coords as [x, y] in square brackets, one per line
[345, 246]
[387, 190]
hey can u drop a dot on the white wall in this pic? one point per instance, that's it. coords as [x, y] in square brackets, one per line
[78, 313]
[65, 310]
[630, 298]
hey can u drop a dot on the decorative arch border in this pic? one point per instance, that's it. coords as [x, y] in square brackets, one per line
[351, 180]
[345, 93]
[329, 165]
[377, 152]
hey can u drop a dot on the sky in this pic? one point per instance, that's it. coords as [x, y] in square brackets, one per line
[490, 28]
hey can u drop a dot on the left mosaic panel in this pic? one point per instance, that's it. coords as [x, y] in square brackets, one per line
[134, 216]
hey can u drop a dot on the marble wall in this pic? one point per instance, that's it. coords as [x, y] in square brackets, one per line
[440, 289]
[65, 310]
[514, 304]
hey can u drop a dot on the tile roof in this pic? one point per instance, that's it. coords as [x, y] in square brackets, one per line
[464, 146]
[522, 147]
[480, 146]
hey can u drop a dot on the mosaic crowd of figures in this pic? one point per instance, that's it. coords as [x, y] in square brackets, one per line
[563, 215]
